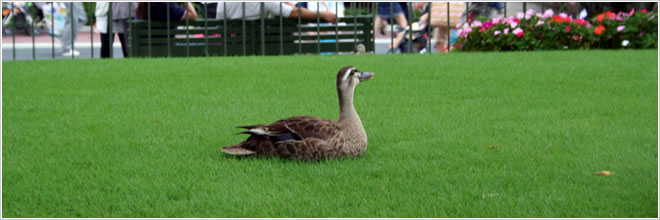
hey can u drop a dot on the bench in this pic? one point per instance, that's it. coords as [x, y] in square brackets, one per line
[215, 37]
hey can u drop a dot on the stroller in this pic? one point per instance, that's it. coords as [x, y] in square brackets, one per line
[420, 36]
[23, 15]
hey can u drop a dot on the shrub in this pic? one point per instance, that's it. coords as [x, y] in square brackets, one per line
[536, 31]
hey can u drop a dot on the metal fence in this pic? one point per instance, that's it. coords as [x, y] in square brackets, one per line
[182, 34]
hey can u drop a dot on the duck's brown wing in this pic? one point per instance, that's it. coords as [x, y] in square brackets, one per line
[296, 128]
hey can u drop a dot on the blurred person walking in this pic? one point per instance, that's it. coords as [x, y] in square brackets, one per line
[75, 19]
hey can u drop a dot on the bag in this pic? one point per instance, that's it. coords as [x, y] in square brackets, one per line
[59, 17]
[439, 13]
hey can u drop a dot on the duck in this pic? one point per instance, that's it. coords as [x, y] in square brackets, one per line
[311, 138]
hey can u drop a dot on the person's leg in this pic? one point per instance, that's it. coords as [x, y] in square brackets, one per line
[441, 39]
[378, 24]
[123, 38]
[72, 26]
[401, 20]
[122, 30]
[397, 40]
[105, 48]
[65, 37]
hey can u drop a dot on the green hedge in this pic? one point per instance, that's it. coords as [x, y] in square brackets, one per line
[536, 31]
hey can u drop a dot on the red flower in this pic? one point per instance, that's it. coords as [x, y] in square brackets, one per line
[567, 19]
[568, 29]
[580, 21]
[599, 30]
[643, 10]
[557, 18]
[519, 34]
[610, 15]
[600, 17]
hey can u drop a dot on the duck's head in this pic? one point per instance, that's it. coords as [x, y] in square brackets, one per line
[348, 77]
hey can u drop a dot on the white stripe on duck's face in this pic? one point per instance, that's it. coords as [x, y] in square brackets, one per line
[347, 74]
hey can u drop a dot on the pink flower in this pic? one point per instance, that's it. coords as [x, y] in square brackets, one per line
[529, 12]
[496, 20]
[513, 24]
[632, 12]
[620, 28]
[466, 31]
[487, 25]
[539, 23]
[476, 23]
[548, 13]
[619, 17]
[518, 32]
[496, 33]
[520, 15]
[643, 10]
[539, 15]
[506, 31]
[563, 15]
[568, 29]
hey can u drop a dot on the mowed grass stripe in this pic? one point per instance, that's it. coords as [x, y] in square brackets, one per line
[141, 137]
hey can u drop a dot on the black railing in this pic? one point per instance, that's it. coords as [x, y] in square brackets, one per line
[281, 36]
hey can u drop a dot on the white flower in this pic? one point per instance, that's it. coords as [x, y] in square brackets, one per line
[625, 43]
[513, 24]
[548, 13]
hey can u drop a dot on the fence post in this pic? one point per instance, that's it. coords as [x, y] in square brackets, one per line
[263, 30]
[505, 9]
[429, 29]
[91, 31]
[243, 19]
[318, 29]
[448, 29]
[52, 28]
[524, 7]
[337, 28]
[281, 34]
[355, 41]
[130, 28]
[206, 28]
[187, 31]
[169, 43]
[224, 27]
[542, 7]
[13, 32]
[111, 35]
[299, 31]
[149, 26]
[73, 46]
[33, 52]
[410, 30]
[392, 26]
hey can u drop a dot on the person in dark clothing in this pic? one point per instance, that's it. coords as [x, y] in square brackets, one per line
[159, 11]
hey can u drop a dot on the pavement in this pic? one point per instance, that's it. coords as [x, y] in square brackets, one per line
[23, 47]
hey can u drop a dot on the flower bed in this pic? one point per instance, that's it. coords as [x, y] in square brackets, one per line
[536, 31]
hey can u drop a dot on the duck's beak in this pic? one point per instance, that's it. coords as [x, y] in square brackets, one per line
[366, 76]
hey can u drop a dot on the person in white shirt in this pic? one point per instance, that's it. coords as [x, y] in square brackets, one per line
[271, 9]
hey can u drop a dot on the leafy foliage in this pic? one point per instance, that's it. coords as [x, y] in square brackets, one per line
[536, 31]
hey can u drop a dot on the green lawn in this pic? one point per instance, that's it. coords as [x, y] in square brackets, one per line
[141, 137]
